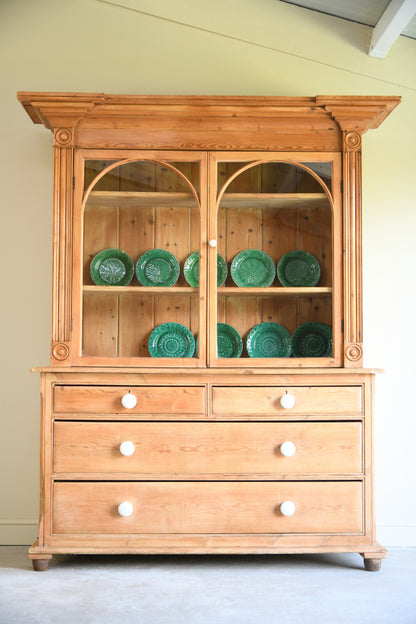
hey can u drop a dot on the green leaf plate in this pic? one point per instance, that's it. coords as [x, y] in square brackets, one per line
[268, 340]
[253, 268]
[112, 267]
[229, 342]
[191, 270]
[312, 340]
[157, 267]
[298, 268]
[171, 340]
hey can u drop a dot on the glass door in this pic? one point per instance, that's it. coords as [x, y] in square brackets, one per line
[139, 279]
[277, 229]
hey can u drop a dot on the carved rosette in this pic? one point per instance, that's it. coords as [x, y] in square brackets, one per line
[60, 352]
[352, 140]
[353, 352]
[63, 137]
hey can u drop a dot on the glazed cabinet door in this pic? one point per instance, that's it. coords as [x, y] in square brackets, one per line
[166, 241]
[275, 259]
[139, 266]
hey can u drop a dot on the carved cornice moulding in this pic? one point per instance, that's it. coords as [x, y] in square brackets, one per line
[60, 110]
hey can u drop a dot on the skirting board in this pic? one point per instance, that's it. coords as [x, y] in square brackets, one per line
[18, 532]
[23, 532]
[396, 534]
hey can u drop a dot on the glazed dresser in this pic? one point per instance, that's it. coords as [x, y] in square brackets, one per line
[226, 410]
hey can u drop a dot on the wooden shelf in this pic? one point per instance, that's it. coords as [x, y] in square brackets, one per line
[223, 290]
[229, 200]
[150, 290]
[130, 198]
[275, 290]
[273, 200]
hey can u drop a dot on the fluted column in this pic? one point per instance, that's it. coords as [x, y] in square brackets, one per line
[62, 242]
[352, 228]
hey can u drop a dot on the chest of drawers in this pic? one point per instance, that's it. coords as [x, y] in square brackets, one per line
[212, 464]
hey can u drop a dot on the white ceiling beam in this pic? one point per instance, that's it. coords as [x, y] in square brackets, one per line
[394, 19]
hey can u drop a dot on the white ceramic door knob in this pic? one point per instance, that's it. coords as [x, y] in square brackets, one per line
[287, 449]
[287, 508]
[127, 448]
[212, 242]
[287, 401]
[129, 400]
[125, 509]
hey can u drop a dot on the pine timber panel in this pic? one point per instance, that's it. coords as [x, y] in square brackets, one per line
[163, 400]
[266, 400]
[206, 507]
[208, 449]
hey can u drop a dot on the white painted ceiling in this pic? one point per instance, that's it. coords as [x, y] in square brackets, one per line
[367, 12]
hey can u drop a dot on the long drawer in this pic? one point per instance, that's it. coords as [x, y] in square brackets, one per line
[150, 399]
[309, 400]
[208, 448]
[206, 507]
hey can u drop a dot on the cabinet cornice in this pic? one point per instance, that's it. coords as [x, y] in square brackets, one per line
[207, 122]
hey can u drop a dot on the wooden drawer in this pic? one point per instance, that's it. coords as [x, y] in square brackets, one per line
[150, 399]
[309, 400]
[206, 507]
[208, 448]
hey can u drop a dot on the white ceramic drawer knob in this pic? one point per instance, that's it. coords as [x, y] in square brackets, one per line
[129, 400]
[127, 448]
[287, 401]
[287, 508]
[287, 449]
[125, 509]
[212, 242]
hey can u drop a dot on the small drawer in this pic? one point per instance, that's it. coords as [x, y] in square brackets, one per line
[208, 449]
[150, 399]
[207, 507]
[308, 400]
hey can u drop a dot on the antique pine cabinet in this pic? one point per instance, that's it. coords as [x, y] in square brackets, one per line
[213, 450]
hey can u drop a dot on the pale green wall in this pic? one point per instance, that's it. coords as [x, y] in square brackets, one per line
[231, 47]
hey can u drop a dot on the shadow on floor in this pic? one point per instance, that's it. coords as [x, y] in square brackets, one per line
[342, 560]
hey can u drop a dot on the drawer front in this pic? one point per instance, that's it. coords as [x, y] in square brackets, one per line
[208, 448]
[309, 400]
[225, 507]
[150, 399]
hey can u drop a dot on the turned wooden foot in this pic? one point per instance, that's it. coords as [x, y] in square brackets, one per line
[372, 564]
[40, 565]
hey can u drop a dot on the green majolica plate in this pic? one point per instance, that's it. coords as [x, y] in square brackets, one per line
[298, 268]
[171, 340]
[229, 342]
[253, 267]
[157, 267]
[268, 340]
[112, 267]
[312, 340]
[191, 270]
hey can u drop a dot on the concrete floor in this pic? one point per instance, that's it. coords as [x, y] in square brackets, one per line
[301, 589]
